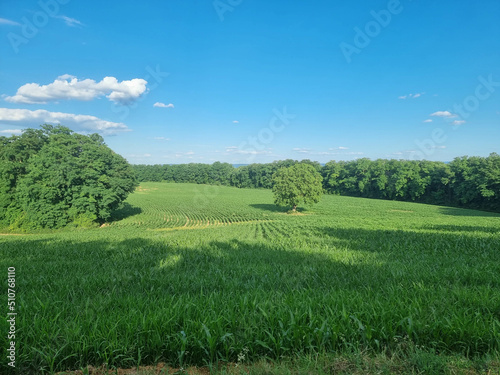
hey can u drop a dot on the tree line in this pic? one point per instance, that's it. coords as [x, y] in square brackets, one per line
[469, 182]
[52, 177]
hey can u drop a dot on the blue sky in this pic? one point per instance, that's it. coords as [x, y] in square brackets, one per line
[240, 81]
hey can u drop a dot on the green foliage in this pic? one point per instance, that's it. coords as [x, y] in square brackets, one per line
[300, 183]
[472, 182]
[196, 275]
[477, 181]
[53, 176]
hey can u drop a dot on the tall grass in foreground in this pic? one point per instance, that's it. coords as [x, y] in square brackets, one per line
[199, 284]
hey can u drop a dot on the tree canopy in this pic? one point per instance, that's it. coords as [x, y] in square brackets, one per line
[51, 177]
[470, 182]
[300, 183]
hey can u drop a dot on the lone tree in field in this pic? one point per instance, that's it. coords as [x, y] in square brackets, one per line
[300, 183]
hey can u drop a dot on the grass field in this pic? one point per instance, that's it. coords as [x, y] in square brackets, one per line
[195, 275]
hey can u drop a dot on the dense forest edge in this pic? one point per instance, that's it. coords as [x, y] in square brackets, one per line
[466, 182]
[53, 177]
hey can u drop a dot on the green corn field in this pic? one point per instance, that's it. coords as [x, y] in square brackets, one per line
[194, 275]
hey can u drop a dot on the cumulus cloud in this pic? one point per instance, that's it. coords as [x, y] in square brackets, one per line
[446, 114]
[163, 105]
[69, 87]
[85, 123]
[236, 122]
[339, 148]
[458, 122]
[428, 120]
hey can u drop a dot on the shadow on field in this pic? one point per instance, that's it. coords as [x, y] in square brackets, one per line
[466, 212]
[83, 299]
[125, 269]
[461, 228]
[126, 211]
[441, 258]
[377, 258]
[275, 208]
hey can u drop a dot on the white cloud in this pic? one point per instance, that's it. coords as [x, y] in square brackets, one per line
[301, 150]
[458, 122]
[446, 114]
[11, 131]
[253, 152]
[71, 22]
[188, 155]
[332, 151]
[139, 155]
[412, 96]
[163, 105]
[434, 147]
[428, 120]
[85, 123]
[236, 122]
[161, 138]
[236, 150]
[69, 87]
[4, 21]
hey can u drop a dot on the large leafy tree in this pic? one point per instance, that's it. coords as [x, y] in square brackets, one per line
[300, 183]
[53, 177]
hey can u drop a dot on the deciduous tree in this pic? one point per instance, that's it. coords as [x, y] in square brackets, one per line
[300, 183]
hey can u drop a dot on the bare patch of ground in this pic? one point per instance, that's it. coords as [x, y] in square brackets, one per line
[141, 189]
